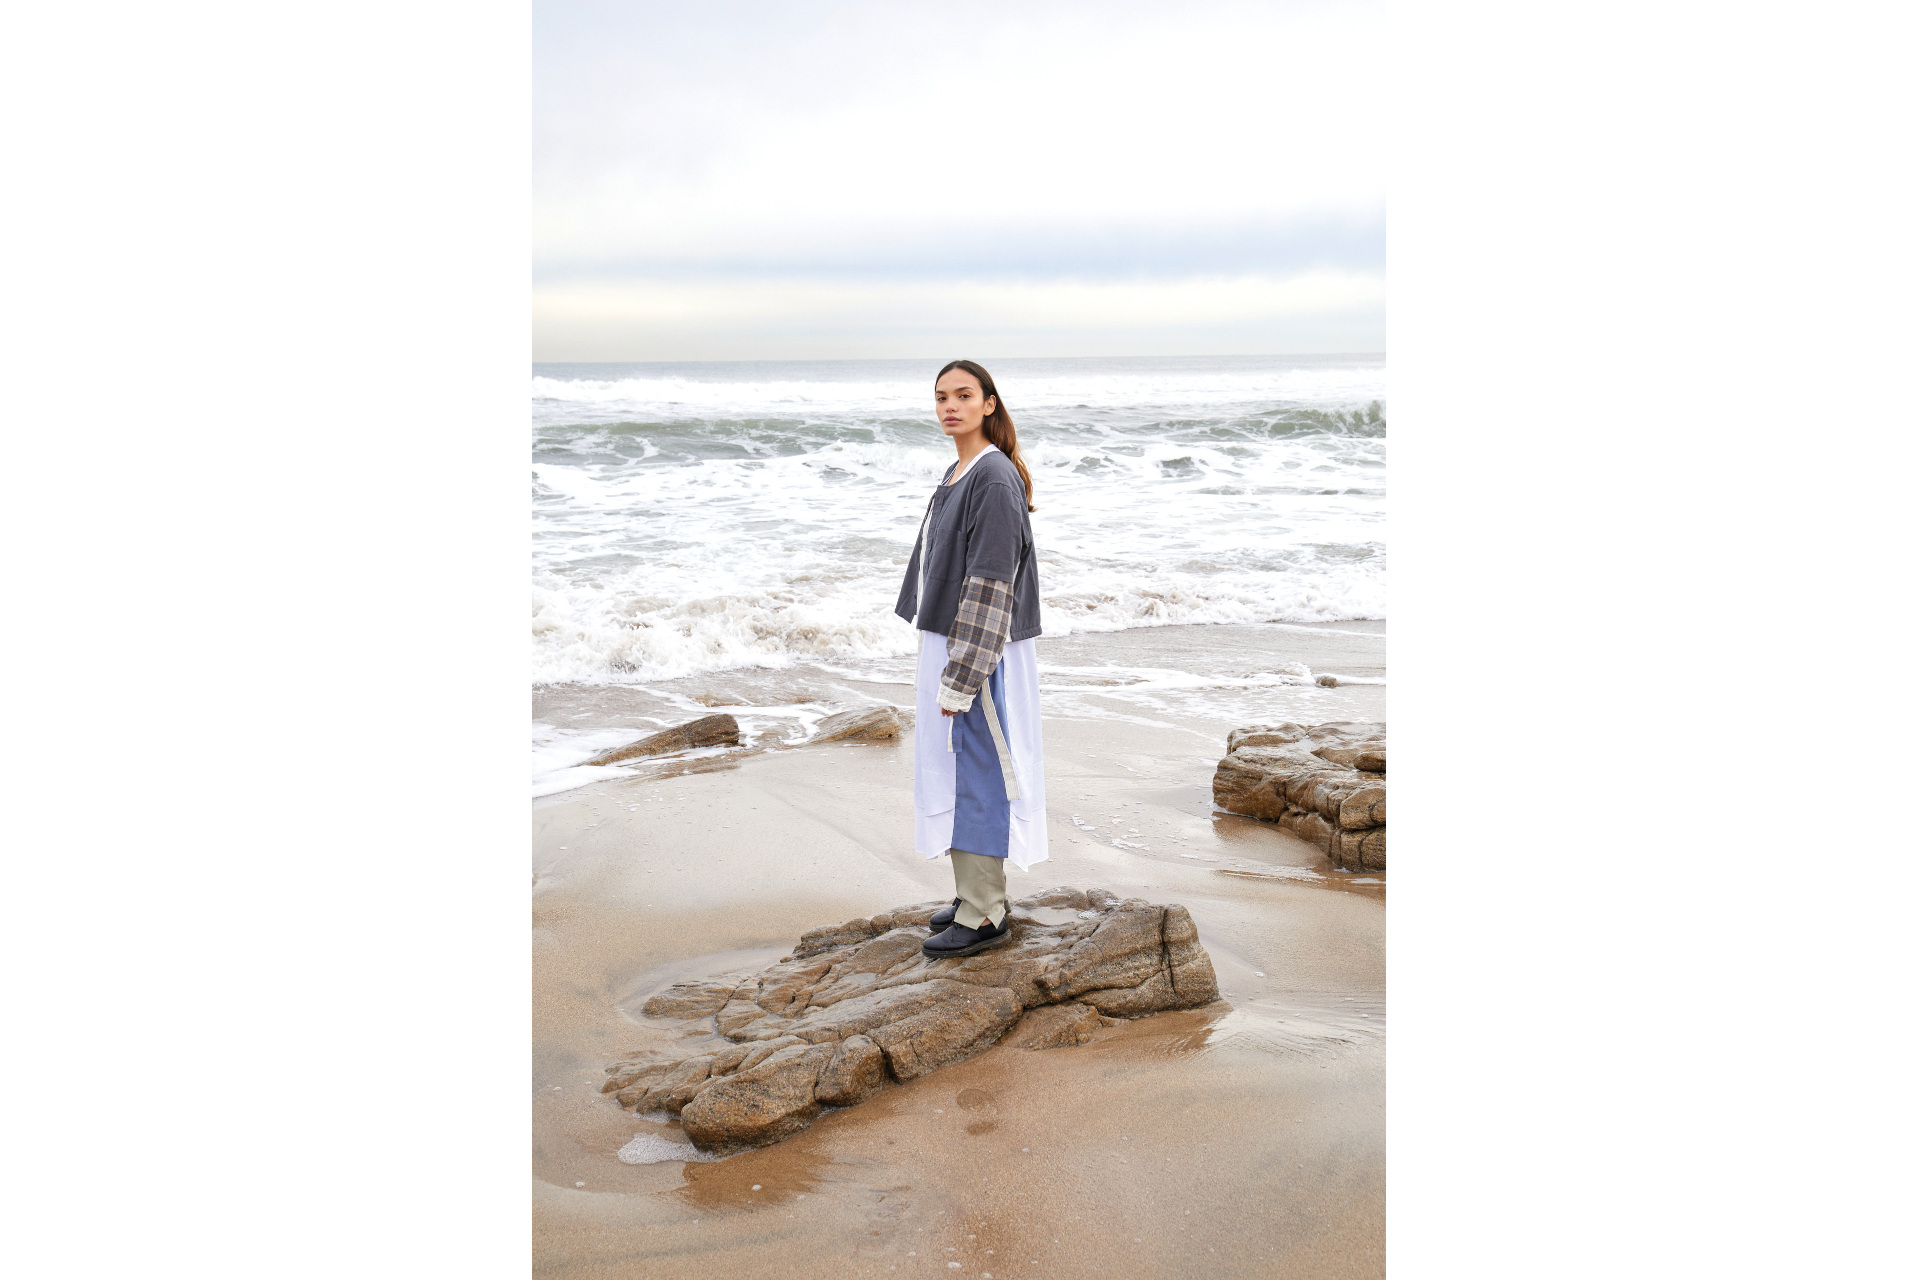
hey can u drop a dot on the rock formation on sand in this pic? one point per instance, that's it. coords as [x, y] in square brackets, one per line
[866, 724]
[858, 1004]
[869, 724]
[1325, 783]
[707, 731]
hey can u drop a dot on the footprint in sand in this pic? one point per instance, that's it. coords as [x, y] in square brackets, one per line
[980, 1102]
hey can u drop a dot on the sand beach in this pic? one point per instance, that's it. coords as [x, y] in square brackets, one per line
[1244, 1138]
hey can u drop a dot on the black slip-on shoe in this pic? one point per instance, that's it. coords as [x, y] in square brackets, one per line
[958, 940]
[943, 917]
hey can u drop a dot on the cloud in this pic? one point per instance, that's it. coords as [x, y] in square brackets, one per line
[729, 159]
[787, 318]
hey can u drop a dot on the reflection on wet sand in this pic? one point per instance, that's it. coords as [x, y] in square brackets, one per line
[742, 1182]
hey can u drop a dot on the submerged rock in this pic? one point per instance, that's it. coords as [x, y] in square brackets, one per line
[858, 1004]
[1325, 783]
[707, 731]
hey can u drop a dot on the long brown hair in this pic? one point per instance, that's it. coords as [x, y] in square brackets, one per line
[998, 425]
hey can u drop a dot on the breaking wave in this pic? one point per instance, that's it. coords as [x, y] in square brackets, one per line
[699, 518]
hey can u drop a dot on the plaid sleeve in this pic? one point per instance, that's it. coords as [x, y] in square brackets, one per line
[973, 646]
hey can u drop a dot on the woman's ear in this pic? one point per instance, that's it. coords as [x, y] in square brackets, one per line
[993, 404]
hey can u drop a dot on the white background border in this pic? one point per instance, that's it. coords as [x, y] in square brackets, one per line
[1651, 274]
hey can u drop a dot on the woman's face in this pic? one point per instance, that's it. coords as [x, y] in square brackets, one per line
[958, 404]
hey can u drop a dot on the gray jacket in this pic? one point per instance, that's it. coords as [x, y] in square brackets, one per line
[978, 529]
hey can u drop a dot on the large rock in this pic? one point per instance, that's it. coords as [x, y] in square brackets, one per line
[966, 1020]
[873, 724]
[1325, 783]
[629, 1081]
[771, 1100]
[707, 731]
[1056, 1026]
[688, 1000]
[856, 1072]
[678, 1086]
[858, 1004]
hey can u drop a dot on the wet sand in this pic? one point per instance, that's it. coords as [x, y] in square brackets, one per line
[1242, 1139]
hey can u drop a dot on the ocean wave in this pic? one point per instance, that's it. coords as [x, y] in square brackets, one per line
[767, 523]
[611, 636]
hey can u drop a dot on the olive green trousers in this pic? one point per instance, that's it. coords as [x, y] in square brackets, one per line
[981, 883]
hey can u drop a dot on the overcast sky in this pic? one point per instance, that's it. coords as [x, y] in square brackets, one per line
[778, 179]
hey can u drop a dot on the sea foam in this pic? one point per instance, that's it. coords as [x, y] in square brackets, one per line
[714, 518]
[648, 1148]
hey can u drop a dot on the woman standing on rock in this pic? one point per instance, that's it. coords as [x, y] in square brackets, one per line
[973, 591]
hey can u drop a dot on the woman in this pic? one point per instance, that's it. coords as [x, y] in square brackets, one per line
[972, 590]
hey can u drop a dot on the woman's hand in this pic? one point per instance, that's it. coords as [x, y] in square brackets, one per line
[945, 712]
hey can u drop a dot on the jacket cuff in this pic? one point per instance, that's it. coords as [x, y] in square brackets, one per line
[957, 702]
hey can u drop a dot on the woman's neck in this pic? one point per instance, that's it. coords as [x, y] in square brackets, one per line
[969, 447]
